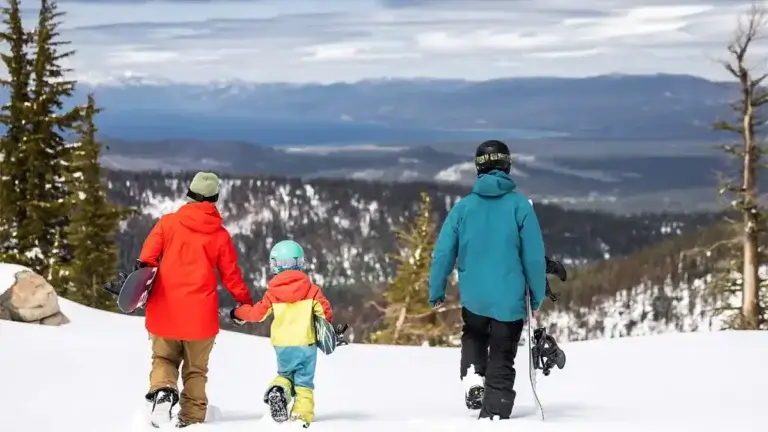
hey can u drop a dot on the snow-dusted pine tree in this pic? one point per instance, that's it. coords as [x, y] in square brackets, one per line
[408, 318]
[93, 221]
[15, 116]
[50, 153]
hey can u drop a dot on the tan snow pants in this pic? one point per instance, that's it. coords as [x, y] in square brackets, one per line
[192, 356]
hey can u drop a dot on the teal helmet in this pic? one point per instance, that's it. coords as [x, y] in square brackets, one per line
[286, 255]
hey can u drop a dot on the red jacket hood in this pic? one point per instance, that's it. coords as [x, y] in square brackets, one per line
[290, 286]
[201, 217]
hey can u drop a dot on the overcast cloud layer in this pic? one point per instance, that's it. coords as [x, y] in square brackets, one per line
[348, 40]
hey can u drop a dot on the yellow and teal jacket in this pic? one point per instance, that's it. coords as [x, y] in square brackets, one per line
[294, 300]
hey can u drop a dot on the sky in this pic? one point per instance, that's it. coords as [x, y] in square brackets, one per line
[348, 40]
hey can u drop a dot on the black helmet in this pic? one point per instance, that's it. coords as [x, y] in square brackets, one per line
[492, 155]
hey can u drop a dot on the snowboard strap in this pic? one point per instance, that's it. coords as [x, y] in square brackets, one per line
[200, 198]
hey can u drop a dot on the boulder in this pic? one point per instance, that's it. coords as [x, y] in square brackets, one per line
[29, 298]
[56, 319]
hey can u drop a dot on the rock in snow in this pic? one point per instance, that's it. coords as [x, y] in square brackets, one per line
[28, 297]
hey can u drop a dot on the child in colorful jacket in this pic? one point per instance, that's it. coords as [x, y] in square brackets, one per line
[294, 300]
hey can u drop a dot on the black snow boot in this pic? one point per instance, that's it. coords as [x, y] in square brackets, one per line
[163, 401]
[278, 404]
[474, 397]
[497, 405]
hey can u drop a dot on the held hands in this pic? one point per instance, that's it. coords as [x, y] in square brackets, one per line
[235, 320]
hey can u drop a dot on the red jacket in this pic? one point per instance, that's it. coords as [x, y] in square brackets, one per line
[193, 243]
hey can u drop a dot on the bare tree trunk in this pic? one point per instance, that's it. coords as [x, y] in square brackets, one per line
[753, 96]
[400, 320]
[749, 305]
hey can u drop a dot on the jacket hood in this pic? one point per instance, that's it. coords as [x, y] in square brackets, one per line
[201, 217]
[493, 184]
[289, 286]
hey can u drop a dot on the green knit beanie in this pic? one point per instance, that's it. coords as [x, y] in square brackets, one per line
[204, 187]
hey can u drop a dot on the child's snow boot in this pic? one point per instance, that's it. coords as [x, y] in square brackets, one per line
[278, 403]
[300, 418]
[304, 406]
[163, 401]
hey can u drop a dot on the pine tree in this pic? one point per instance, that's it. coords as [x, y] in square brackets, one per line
[16, 118]
[408, 318]
[49, 153]
[93, 222]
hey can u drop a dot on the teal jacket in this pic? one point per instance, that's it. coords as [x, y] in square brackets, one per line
[495, 236]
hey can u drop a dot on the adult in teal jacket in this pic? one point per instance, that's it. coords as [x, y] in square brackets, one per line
[493, 236]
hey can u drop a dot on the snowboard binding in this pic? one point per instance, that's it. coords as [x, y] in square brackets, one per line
[555, 268]
[340, 330]
[113, 286]
[552, 296]
[546, 353]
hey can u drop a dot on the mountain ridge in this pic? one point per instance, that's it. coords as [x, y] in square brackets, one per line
[117, 80]
[659, 106]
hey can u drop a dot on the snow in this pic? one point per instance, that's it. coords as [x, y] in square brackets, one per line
[325, 150]
[455, 173]
[91, 375]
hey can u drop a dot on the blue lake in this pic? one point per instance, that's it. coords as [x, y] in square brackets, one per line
[283, 132]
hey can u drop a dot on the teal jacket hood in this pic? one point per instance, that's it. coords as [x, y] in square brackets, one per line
[493, 184]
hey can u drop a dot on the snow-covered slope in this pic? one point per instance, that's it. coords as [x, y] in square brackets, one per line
[91, 375]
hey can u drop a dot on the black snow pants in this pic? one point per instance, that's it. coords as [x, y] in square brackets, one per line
[490, 347]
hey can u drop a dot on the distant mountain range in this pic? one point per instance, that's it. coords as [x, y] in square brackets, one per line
[406, 111]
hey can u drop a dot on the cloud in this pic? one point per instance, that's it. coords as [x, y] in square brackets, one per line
[342, 40]
[567, 54]
[351, 52]
[483, 40]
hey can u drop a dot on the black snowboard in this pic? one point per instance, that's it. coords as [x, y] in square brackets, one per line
[135, 290]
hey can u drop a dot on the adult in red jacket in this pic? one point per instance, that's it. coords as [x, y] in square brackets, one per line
[182, 313]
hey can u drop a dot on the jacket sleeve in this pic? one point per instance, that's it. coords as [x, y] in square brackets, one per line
[255, 313]
[322, 307]
[444, 256]
[231, 276]
[152, 248]
[532, 253]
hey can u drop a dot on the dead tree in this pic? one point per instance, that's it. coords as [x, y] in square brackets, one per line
[750, 152]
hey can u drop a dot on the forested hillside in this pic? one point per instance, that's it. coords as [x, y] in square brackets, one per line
[347, 226]
[682, 284]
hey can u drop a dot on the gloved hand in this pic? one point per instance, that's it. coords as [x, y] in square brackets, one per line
[235, 320]
[556, 268]
[114, 286]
